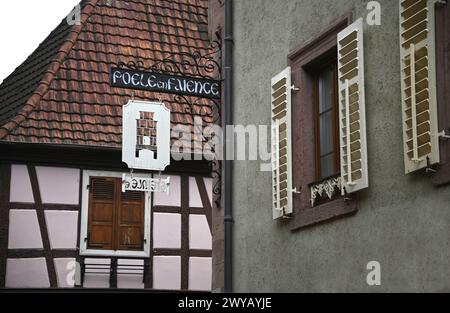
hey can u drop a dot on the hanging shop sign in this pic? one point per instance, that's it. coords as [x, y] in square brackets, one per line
[132, 182]
[146, 135]
[149, 81]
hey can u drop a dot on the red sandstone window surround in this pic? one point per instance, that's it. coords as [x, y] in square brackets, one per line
[308, 64]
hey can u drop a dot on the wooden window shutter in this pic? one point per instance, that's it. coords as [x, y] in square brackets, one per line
[130, 225]
[352, 115]
[101, 213]
[418, 82]
[281, 144]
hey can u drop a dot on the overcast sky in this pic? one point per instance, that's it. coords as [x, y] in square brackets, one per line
[24, 25]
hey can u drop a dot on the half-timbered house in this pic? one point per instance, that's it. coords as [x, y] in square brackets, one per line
[65, 220]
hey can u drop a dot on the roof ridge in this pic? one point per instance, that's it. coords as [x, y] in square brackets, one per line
[50, 73]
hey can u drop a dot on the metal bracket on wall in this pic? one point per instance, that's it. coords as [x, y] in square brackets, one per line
[429, 169]
[283, 213]
[295, 191]
[443, 134]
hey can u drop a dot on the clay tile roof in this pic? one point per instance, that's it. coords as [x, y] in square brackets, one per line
[61, 93]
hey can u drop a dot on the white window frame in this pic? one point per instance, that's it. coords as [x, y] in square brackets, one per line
[87, 174]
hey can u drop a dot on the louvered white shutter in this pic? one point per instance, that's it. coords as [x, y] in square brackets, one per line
[281, 144]
[419, 104]
[352, 115]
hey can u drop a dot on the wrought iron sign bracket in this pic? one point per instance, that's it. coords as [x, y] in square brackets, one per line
[201, 66]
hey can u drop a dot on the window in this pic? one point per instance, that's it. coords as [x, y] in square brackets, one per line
[326, 121]
[329, 156]
[116, 218]
[114, 223]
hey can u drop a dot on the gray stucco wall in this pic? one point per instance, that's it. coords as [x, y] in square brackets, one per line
[403, 221]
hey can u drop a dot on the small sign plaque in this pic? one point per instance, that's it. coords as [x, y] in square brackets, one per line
[145, 184]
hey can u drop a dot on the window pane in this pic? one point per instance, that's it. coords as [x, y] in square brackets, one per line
[326, 133]
[326, 90]
[327, 166]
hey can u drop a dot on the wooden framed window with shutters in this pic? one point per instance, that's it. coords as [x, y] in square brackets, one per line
[329, 158]
[114, 223]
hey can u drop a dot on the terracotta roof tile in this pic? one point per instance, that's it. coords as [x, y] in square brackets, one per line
[61, 93]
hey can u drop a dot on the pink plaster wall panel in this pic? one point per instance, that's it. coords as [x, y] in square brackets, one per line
[167, 230]
[174, 196]
[200, 273]
[20, 185]
[27, 273]
[65, 272]
[59, 185]
[194, 195]
[24, 230]
[127, 278]
[199, 233]
[62, 229]
[167, 272]
[127, 281]
[97, 280]
[209, 187]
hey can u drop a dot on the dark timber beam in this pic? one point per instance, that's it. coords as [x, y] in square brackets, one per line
[5, 178]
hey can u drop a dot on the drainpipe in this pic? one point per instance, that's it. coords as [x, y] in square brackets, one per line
[229, 142]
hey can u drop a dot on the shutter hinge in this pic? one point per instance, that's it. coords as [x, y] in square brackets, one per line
[443, 134]
[295, 191]
[143, 242]
[88, 187]
[294, 89]
[86, 239]
[429, 169]
[441, 2]
[283, 213]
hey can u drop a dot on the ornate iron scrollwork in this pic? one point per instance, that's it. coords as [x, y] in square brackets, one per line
[196, 64]
[216, 167]
[134, 65]
[327, 187]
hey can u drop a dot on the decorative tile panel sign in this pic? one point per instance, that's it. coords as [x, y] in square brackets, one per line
[146, 135]
[192, 86]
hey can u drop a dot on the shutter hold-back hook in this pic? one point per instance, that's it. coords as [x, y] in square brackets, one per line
[443, 134]
[296, 191]
[428, 169]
